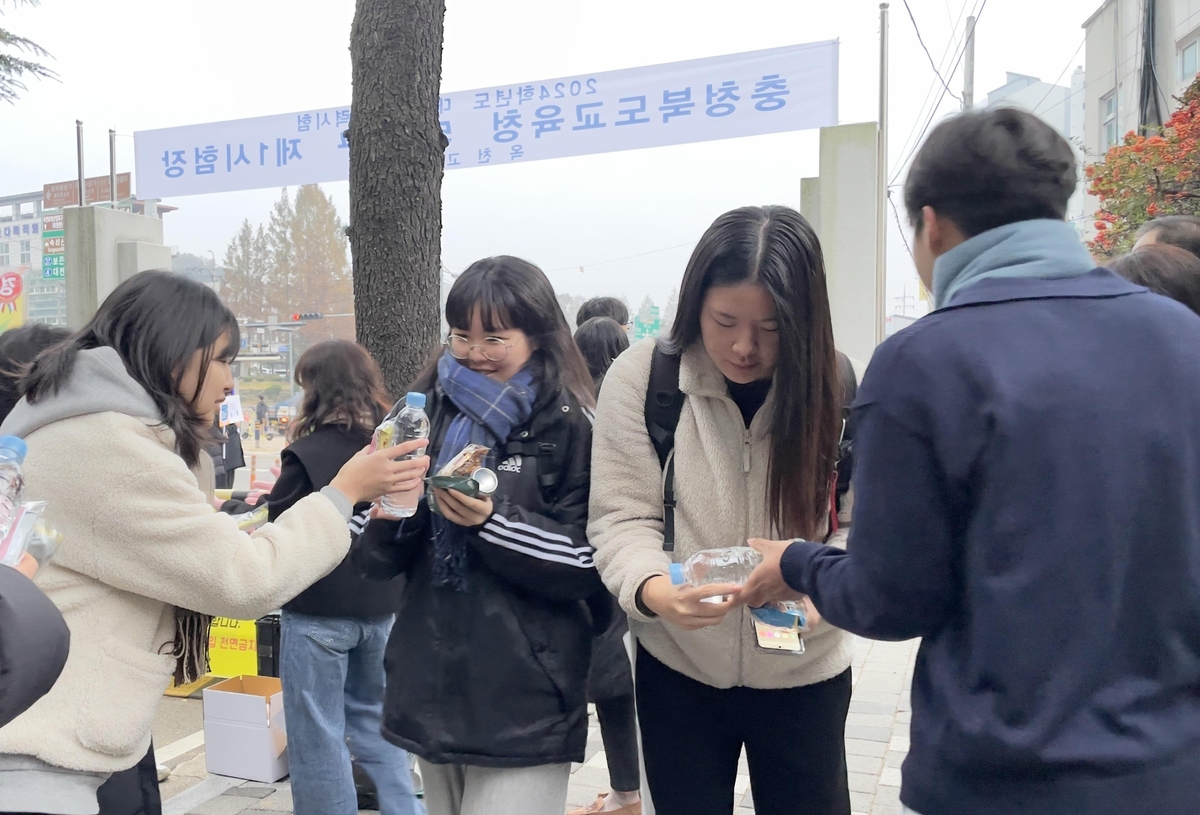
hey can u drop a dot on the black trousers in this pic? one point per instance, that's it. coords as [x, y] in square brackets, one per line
[618, 729]
[133, 791]
[692, 738]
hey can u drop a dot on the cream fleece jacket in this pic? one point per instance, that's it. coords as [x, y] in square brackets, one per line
[140, 538]
[721, 487]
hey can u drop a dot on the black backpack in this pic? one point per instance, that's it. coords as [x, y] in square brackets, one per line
[664, 403]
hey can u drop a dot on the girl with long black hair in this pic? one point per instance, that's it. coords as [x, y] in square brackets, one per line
[116, 419]
[488, 657]
[754, 456]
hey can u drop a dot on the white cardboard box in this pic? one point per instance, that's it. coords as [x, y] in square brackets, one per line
[245, 735]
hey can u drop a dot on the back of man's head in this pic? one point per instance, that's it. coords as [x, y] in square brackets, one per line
[609, 307]
[985, 169]
[1177, 230]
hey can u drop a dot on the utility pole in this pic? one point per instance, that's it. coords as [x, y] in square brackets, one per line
[882, 175]
[969, 67]
[112, 168]
[79, 156]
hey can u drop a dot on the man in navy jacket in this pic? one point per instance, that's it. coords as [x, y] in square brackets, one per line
[1027, 480]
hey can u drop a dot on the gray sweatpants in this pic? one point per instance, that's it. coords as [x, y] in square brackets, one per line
[457, 789]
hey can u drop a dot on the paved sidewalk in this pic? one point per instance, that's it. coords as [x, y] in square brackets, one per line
[876, 743]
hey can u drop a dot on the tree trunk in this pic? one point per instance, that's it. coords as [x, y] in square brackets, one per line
[396, 155]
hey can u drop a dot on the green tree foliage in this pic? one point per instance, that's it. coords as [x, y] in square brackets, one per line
[15, 66]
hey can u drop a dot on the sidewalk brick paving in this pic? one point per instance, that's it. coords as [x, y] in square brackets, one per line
[876, 743]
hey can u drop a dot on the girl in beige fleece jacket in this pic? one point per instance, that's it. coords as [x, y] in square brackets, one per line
[754, 457]
[115, 421]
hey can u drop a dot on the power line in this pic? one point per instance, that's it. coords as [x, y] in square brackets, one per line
[928, 55]
[583, 266]
[1060, 76]
[1116, 78]
[951, 48]
[933, 113]
[953, 51]
[903, 237]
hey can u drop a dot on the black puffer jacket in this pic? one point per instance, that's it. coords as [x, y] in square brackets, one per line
[495, 675]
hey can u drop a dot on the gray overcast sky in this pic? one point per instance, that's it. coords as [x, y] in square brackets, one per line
[141, 64]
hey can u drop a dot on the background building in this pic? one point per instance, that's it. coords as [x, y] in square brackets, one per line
[1141, 55]
[41, 300]
[24, 242]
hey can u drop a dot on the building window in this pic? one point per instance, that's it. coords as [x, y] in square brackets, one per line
[26, 252]
[1189, 62]
[4, 254]
[1109, 105]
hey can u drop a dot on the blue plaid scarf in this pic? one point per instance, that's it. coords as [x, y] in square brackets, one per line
[488, 412]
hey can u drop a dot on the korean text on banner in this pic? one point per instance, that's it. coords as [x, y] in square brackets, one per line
[771, 91]
[233, 647]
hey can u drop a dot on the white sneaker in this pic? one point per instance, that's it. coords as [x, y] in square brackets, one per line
[164, 772]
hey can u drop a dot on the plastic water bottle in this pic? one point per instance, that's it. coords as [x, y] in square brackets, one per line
[730, 565]
[734, 565]
[12, 483]
[411, 423]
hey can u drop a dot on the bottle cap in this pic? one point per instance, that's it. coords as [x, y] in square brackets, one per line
[16, 444]
[677, 577]
[415, 400]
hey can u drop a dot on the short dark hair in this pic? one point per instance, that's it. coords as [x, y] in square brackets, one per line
[1163, 269]
[609, 307]
[155, 321]
[985, 169]
[601, 340]
[1177, 230]
[18, 349]
[509, 292]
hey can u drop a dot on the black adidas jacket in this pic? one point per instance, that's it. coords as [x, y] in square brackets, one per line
[495, 676]
[307, 466]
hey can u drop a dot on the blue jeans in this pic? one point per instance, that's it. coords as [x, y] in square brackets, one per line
[332, 671]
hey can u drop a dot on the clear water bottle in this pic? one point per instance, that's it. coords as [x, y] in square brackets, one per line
[12, 483]
[410, 423]
[730, 565]
[734, 565]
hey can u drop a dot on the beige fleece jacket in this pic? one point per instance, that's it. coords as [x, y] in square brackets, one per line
[721, 487]
[139, 538]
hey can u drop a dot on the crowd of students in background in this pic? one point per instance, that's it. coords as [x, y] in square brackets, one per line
[1017, 482]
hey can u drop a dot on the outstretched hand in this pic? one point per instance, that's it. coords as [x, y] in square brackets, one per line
[766, 583]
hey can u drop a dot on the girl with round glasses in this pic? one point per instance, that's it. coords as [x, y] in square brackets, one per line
[488, 658]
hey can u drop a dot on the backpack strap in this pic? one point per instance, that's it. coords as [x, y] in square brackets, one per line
[664, 403]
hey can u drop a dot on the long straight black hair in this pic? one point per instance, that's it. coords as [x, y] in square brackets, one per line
[156, 322]
[776, 248]
[513, 293]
